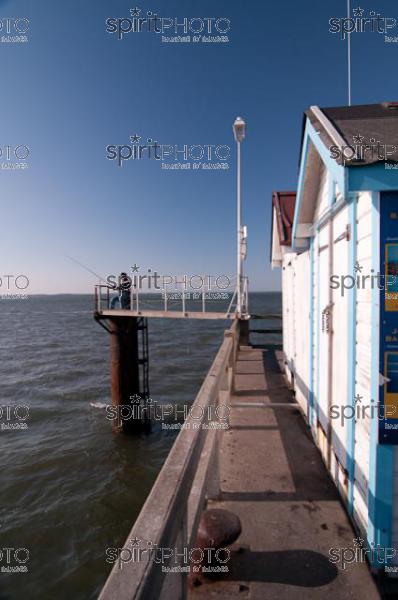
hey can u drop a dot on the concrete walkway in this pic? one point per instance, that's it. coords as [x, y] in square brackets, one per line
[273, 477]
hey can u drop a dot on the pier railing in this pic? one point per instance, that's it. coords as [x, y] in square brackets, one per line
[108, 298]
[169, 519]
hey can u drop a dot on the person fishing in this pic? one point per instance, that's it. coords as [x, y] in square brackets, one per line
[125, 291]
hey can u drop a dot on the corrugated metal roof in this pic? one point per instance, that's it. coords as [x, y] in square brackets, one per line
[284, 203]
[369, 130]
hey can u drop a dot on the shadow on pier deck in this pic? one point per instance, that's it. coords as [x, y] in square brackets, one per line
[264, 468]
[272, 477]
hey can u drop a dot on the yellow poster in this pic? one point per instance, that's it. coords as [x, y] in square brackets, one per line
[391, 278]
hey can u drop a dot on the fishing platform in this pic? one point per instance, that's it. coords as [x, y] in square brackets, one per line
[166, 309]
[125, 318]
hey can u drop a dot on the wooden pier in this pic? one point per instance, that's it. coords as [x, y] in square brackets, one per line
[265, 469]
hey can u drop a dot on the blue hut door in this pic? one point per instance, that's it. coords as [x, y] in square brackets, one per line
[388, 426]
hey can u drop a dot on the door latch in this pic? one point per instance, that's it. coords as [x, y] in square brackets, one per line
[327, 319]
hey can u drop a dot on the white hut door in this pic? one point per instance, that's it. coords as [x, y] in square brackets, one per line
[324, 329]
[341, 327]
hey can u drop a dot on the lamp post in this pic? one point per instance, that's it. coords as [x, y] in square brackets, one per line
[239, 129]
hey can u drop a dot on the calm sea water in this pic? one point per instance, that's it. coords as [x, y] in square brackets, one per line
[69, 488]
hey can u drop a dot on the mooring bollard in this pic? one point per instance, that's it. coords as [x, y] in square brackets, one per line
[217, 529]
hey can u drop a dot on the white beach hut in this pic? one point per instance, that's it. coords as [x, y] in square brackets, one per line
[337, 245]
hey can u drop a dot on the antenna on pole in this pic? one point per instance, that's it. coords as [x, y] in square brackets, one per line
[349, 53]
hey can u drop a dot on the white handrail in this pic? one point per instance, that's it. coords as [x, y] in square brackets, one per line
[135, 303]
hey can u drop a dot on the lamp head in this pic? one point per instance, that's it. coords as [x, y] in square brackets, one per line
[239, 128]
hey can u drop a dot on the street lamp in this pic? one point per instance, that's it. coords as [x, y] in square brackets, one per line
[239, 129]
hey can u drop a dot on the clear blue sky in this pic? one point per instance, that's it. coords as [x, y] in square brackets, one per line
[73, 89]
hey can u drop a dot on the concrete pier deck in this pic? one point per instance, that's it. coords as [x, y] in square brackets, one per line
[273, 477]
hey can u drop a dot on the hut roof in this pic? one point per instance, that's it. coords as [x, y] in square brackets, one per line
[371, 130]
